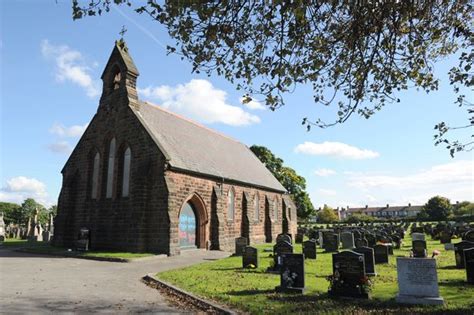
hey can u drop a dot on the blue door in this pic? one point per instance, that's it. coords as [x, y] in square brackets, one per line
[187, 227]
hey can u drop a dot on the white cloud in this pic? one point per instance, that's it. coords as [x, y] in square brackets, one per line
[253, 104]
[62, 147]
[327, 192]
[67, 132]
[17, 189]
[324, 172]
[336, 149]
[70, 66]
[199, 100]
[454, 180]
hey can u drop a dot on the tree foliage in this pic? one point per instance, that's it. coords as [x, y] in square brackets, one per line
[327, 215]
[359, 217]
[293, 183]
[355, 54]
[437, 208]
[9, 211]
[463, 208]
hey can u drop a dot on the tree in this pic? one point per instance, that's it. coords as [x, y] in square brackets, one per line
[359, 217]
[463, 208]
[293, 183]
[437, 208]
[27, 210]
[327, 215]
[357, 55]
[9, 211]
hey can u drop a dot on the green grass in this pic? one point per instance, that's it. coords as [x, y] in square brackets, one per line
[253, 291]
[45, 248]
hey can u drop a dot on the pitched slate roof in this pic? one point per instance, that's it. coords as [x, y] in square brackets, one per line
[194, 148]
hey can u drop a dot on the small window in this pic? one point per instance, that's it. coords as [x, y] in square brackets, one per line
[289, 213]
[257, 207]
[95, 175]
[230, 204]
[127, 156]
[275, 209]
[110, 169]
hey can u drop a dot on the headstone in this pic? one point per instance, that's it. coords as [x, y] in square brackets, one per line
[445, 237]
[240, 243]
[349, 278]
[331, 242]
[2, 228]
[347, 240]
[369, 259]
[417, 281]
[83, 240]
[449, 246]
[361, 242]
[299, 237]
[309, 249]
[291, 273]
[418, 237]
[419, 249]
[249, 257]
[283, 238]
[459, 252]
[381, 254]
[371, 240]
[278, 250]
[469, 264]
[397, 241]
[469, 236]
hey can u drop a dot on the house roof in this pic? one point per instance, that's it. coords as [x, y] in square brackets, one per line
[191, 147]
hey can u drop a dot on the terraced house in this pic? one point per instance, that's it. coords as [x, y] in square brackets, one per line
[144, 179]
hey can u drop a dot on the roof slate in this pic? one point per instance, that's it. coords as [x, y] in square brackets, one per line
[192, 147]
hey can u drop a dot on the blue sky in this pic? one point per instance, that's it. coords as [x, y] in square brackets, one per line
[50, 85]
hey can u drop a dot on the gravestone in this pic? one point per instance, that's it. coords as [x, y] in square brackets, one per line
[371, 240]
[419, 249]
[469, 236]
[83, 240]
[369, 259]
[459, 252]
[331, 242]
[240, 243]
[347, 240]
[2, 228]
[417, 281]
[361, 242]
[469, 264]
[279, 249]
[291, 274]
[249, 257]
[449, 246]
[309, 249]
[348, 275]
[397, 241]
[299, 237]
[445, 237]
[381, 254]
[418, 237]
[283, 237]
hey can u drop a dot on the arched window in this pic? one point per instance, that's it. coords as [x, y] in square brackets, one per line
[127, 156]
[95, 176]
[257, 207]
[230, 204]
[110, 169]
[275, 209]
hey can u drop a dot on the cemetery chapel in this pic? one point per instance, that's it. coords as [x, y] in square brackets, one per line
[144, 179]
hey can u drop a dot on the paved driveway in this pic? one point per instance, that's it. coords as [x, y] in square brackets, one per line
[32, 284]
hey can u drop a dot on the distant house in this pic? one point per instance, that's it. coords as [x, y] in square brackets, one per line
[388, 211]
[144, 179]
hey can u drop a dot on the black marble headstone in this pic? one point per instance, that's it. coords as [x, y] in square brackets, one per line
[309, 249]
[291, 273]
[349, 273]
[330, 242]
[249, 257]
[240, 243]
[381, 254]
[469, 264]
[419, 249]
[459, 252]
[368, 259]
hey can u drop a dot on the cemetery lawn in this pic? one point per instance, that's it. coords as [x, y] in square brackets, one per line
[253, 291]
[47, 249]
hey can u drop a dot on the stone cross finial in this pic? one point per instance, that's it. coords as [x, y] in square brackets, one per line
[122, 32]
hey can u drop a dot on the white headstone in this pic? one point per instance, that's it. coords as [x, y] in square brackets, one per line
[418, 281]
[418, 237]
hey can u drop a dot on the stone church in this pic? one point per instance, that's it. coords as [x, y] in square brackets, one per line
[144, 179]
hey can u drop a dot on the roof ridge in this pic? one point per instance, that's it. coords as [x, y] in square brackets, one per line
[155, 106]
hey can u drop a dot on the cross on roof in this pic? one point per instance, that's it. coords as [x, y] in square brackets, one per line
[123, 31]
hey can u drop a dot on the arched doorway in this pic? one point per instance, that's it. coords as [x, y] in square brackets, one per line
[192, 223]
[187, 227]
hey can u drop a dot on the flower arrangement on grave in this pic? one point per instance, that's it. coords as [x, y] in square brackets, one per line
[250, 266]
[366, 285]
[289, 278]
[435, 253]
[336, 284]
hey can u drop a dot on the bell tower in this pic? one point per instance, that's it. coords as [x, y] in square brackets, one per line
[119, 80]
